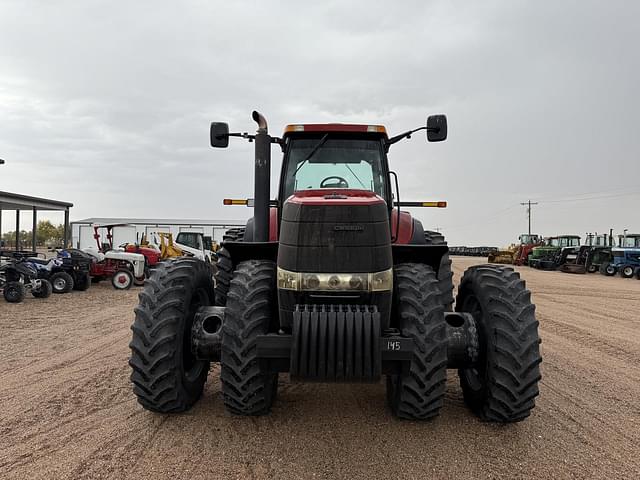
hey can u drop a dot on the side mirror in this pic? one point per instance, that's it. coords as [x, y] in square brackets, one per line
[219, 135]
[436, 128]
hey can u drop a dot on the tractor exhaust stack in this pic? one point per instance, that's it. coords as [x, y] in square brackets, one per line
[262, 180]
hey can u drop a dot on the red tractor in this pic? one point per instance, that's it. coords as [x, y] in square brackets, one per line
[332, 282]
[527, 243]
[151, 253]
[123, 268]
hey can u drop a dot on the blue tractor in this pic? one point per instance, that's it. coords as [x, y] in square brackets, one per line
[625, 258]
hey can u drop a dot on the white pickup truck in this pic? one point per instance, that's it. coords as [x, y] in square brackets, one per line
[196, 244]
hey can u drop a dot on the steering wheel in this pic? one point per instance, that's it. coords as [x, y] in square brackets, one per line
[341, 182]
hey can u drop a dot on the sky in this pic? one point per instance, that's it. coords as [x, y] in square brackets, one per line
[107, 104]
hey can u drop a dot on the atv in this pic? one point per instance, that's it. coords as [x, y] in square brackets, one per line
[51, 269]
[17, 277]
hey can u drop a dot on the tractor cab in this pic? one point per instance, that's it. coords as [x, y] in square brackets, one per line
[335, 157]
[563, 241]
[595, 240]
[630, 240]
[529, 239]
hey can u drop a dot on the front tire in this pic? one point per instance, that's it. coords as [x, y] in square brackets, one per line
[61, 282]
[504, 384]
[166, 375]
[418, 394]
[44, 291]
[122, 279]
[14, 292]
[251, 306]
[609, 270]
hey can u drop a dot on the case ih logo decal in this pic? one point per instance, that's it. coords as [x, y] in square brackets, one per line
[348, 228]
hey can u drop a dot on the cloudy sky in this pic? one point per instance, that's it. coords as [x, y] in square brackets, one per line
[107, 104]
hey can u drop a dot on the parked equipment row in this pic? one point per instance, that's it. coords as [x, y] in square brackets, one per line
[565, 253]
[74, 269]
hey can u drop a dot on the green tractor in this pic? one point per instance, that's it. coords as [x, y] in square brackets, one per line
[545, 257]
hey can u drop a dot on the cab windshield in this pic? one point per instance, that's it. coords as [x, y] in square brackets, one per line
[189, 239]
[336, 163]
[629, 242]
[529, 239]
[565, 242]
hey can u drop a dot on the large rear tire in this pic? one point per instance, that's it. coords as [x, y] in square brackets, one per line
[251, 307]
[504, 384]
[166, 375]
[626, 271]
[224, 265]
[445, 275]
[418, 394]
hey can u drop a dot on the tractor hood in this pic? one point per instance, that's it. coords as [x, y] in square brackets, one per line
[334, 231]
[539, 252]
[335, 196]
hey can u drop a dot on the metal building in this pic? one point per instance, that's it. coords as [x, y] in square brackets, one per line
[131, 230]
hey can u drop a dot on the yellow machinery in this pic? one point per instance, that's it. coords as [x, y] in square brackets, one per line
[505, 256]
[516, 254]
[167, 248]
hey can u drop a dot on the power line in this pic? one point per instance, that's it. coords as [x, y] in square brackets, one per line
[498, 215]
[595, 197]
[491, 219]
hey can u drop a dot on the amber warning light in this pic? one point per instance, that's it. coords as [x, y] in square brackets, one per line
[422, 204]
[234, 201]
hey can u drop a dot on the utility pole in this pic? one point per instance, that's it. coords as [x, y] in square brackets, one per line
[528, 205]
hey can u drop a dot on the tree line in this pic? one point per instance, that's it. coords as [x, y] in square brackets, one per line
[47, 235]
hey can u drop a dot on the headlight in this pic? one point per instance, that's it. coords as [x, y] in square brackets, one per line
[336, 282]
[381, 281]
[288, 280]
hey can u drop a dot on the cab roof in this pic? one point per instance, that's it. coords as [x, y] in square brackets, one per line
[334, 127]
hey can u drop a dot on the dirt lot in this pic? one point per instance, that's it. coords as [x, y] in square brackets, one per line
[68, 411]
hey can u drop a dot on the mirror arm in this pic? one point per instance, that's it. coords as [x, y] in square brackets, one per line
[251, 138]
[408, 134]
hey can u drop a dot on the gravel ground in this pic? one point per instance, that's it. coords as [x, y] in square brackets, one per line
[68, 410]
